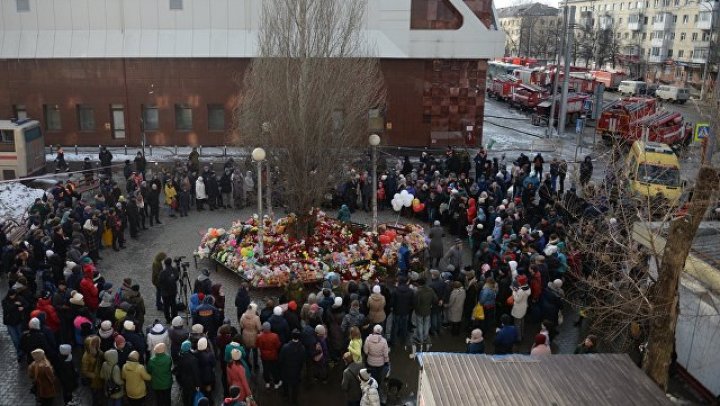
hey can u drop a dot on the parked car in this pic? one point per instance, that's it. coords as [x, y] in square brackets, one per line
[632, 88]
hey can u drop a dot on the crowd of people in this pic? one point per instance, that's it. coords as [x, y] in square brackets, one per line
[512, 217]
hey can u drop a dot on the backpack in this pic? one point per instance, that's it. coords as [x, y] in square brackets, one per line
[111, 388]
[118, 298]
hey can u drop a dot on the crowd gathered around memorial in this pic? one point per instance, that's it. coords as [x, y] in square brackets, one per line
[72, 325]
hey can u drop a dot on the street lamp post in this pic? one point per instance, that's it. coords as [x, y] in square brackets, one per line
[258, 155]
[374, 141]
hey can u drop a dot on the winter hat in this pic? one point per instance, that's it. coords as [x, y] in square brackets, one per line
[522, 280]
[320, 330]
[266, 326]
[498, 220]
[128, 325]
[77, 299]
[475, 337]
[119, 341]
[277, 311]
[65, 349]
[157, 328]
[292, 305]
[338, 302]
[177, 321]
[49, 253]
[556, 284]
[106, 325]
[38, 354]
[34, 324]
[186, 346]
[540, 339]
[436, 223]
[197, 329]
[159, 348]
[364, 375]
[106, 299]
[134, 356]
[202, 344]
[314, 307]
[127, 282]
[235, 354]
[376, 289]
[377, 329]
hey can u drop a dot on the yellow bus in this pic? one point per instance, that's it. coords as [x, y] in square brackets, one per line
[22, 149]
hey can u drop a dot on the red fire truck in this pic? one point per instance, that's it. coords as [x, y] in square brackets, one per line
[666, 127]
[576, 107]
[620, 116]
[502, 87]
[527, 97]
[531, 76]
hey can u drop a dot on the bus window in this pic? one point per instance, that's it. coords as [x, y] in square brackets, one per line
[7, 140]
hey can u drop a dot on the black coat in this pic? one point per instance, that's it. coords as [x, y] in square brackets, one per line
[292, 358]
[403, 300]
[187, 370]
[279, 326]
[167, 282]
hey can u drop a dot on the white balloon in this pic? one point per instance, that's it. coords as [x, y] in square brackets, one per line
[408, 200]
[404, 193]
[397, 196]
[396, 206]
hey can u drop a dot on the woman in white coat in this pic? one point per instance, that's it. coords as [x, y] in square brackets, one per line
[520, 296]
[455, 306]
[200, 193]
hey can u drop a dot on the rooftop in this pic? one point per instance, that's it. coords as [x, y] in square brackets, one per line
[598, 379]
[531, 9]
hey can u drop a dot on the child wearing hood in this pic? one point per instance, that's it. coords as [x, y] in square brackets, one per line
[67, 374]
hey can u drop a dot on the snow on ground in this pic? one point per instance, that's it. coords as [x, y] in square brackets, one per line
[15, 199]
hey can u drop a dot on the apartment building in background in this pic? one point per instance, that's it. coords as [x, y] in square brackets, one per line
[531, 30]
[665, 41]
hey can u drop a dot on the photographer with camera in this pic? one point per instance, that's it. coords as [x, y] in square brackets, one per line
[167, 282]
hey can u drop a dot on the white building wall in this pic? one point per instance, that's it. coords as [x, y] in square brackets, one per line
[211, 28]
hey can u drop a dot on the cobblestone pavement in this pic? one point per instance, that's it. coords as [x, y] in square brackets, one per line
[180, 236]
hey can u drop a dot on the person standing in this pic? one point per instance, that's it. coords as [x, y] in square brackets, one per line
[135, 376]
[67, 374]
[588, 346]
[455, 307]
[237, 376]
[520, 296]
[562, 173]
[291, 360]
[402, 308]
[377, 353]
[167, 282]
[268, 343]
[170, 198]
[187, 373]
[436, 249]
[42, 375]
[351, 381]
[586, 170]
[159, 368]
[369, 388]
[200, 193]
[112, 376]
[424, 299]
[140, 164]
[153, 201]
[157, 267]
[206, 365]
[14, 310]
[106, 157]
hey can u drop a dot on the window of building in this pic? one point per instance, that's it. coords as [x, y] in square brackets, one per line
[645, 20]
[117, 112]
[685, 19]
[672, 35]
[151, 118]
[52, 117]
[620, 20]
[682, 36]
[7, 137]
[20, 112]
[621, 6]
[655, 3]
[176, 5]
[694, 36]
[696, 18]
[674, 18]
[644, 35]
[216, 117]
[670, 53]
[691, 53]
[626, 35]
[677, 3]
[681, 53]
[706, 36]
[22, 5]
[183, 117]
[85, 117]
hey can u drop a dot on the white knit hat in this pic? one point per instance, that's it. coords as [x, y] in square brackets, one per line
[197, 328]
[202, 344]
[129, 325]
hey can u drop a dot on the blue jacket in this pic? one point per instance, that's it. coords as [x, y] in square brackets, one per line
[403, 258]
[505, 339]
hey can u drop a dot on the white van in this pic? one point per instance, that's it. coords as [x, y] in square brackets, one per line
[632, 88]
[672, 94]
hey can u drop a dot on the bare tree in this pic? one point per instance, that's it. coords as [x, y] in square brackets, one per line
[306, 98]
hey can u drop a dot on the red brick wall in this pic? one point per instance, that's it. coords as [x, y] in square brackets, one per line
[441, 15]
[423, 96]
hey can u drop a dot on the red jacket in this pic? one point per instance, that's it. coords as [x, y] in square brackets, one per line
[89, 292]
[236, 377]
[51, 318]
[269, 345]
[536, 286]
